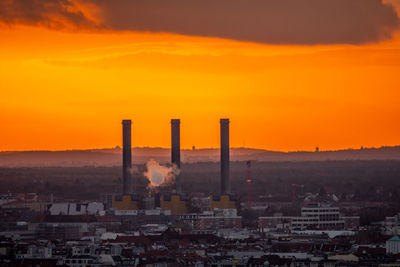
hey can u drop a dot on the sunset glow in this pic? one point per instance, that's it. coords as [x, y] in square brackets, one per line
[70, 89]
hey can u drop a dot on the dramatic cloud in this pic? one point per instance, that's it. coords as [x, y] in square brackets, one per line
[263, 21]
[49, 13]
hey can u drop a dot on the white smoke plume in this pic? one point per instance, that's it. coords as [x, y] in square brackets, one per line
[159, 175]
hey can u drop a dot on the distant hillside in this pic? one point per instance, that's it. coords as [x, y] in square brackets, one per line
[112, 157]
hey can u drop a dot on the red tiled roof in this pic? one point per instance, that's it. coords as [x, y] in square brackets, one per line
[27, 196]
[70, 218]
[371, 250]
[131, 239]
[107, 218]
[155, 253]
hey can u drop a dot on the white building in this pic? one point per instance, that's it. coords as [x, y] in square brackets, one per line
[393, 245]
[320, 215]
[92, 208]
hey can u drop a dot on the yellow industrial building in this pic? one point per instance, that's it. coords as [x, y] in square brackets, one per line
[125, 202]
[222, 202]
[176, 203]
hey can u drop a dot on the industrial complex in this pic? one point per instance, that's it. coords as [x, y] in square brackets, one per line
[175, 201]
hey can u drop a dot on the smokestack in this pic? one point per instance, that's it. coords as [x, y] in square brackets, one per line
[127, 157]
[176, 151]
[225, 184]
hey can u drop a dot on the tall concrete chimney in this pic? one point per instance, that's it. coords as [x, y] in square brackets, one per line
[127, 157]
[176, 151]
[225, 183]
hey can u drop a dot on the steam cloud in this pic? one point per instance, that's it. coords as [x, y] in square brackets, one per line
[263, 21]
[159, 175]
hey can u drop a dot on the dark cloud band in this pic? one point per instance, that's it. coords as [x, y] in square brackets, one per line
[49, 13]
[263, 21]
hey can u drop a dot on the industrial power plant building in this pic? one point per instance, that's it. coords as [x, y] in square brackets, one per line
[177, 201]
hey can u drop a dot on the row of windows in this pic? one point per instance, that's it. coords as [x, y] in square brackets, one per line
[328, 217]
[304, 220]
[321, 215]
[317, 218]
[78, 261]
[320, 225]
[320, 210]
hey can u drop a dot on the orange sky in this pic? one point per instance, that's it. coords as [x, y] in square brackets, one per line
[70, 90]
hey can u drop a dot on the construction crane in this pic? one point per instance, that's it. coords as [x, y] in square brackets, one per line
[248, 163]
